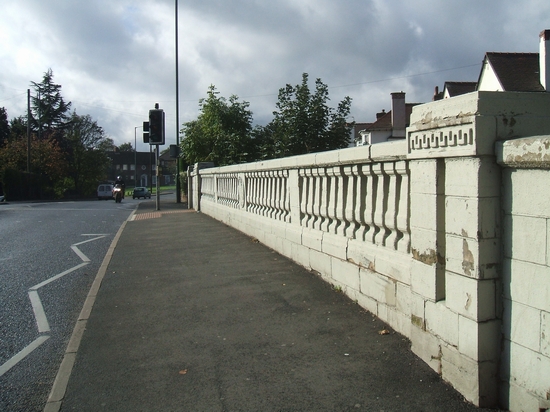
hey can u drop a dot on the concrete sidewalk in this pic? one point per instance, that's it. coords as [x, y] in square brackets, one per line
[195, 316]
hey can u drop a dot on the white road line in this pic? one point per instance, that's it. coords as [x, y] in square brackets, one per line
[89, 240]
[23, 354]
[38, 308]
[39, 314]
[81, 255]
[50, 280]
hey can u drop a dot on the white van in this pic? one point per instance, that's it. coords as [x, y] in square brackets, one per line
[105, 191]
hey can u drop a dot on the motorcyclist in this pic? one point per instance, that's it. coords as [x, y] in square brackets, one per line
[120, 182]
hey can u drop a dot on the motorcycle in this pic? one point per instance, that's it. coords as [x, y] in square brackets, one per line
[117, 193]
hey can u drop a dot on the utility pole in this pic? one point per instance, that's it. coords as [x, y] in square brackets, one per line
[28, 130]
[178, 188]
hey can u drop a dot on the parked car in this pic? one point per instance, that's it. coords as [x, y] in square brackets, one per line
[141, 192]
[105, 191]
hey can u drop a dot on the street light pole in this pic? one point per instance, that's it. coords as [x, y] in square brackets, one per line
[178, 188]
[135, 154]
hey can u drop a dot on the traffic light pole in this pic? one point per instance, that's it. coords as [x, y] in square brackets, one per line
[158, 175]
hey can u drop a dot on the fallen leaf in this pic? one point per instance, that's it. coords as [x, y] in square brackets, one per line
[384, 332]
[183, 371]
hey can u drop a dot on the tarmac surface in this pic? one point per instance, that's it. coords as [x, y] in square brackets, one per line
[188, 314]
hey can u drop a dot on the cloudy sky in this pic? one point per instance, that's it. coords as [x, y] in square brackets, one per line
[115, 58]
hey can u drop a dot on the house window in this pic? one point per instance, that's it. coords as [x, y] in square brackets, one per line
[117, 167]
[132, 167]
[124, 167]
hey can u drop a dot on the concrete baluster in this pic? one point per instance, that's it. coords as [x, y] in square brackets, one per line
[390, 225]
[325, 195]
[307, 196]
[351, 198]
[359, 193]
[370, 202]
[341, 188]
[331, 200]
[379, 186]
[404, 240]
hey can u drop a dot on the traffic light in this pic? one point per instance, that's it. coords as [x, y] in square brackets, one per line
[145, 132]
[156, 126]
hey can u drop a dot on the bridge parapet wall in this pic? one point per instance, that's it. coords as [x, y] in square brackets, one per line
[410, 229]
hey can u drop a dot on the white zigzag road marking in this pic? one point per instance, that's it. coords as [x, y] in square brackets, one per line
[38, 309]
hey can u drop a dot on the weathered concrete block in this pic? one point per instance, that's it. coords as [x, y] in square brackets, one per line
[472, 177]
[523, 325]
[380, 288]
[418, 314]
[427, 281]
[368, 303]
[479, 341]
[442, 322]
[476, 381]
[515, 398]
[521, 228]
[424, 246]
[426, 176]
[427, 347]
[321, 263]
[361, 253]
[527, 369]
[312, 238]
[424, 211]
[293, 234]
[545, 333]
[403, 302]
[473, 218]
[473, 298]
[278, 228]
[345, 273]
[393, 264]
[473, 258]
[335, 245]
[518, 192]
[526, 283]
[300, 254]
[398, 320]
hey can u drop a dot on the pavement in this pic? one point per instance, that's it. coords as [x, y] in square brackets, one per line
[188, 314]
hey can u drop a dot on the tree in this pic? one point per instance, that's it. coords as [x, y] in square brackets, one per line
[49, 111]
[304, 123]
[4, 126]
[126, 147]
[221, 133]
[87, 159]
[47, 160]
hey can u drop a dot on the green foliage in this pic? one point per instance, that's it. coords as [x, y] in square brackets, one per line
[126, 147]
[303, 122]
[4, 126]
[49, 111]
[87, 158]
[221, 133]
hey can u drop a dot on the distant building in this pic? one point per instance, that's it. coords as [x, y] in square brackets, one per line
[388, 126]
[132, 165]
[508, 72]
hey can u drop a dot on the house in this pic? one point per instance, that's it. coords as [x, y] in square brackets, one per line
[388, 125]
[355, 136]
[508, 72]
[132, 167]
[452, 89]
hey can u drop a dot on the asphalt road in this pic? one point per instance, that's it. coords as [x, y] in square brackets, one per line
[49, 256]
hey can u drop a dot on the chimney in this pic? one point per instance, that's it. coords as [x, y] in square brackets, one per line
[380, 114]
[544, 56]
[398, 114]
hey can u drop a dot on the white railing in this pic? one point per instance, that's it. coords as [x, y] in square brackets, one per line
[367, 202]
